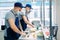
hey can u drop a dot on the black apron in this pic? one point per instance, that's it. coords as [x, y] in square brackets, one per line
[11, 35]
[24, 25]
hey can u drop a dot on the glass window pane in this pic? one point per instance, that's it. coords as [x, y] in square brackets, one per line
[8, 0]
[6, 4]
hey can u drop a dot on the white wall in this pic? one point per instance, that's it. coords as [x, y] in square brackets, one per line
[58, 11]
[58, 16]
[3, 11]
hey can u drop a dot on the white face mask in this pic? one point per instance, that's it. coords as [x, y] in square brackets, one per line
[19, 12]
[28, 11]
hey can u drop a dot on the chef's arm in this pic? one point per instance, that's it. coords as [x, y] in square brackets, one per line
[26, 21]
[13, 26]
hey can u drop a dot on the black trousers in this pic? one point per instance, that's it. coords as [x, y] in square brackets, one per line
[7, 38]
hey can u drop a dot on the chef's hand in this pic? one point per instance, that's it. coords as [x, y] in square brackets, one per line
[33, 26]
[23, 33]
